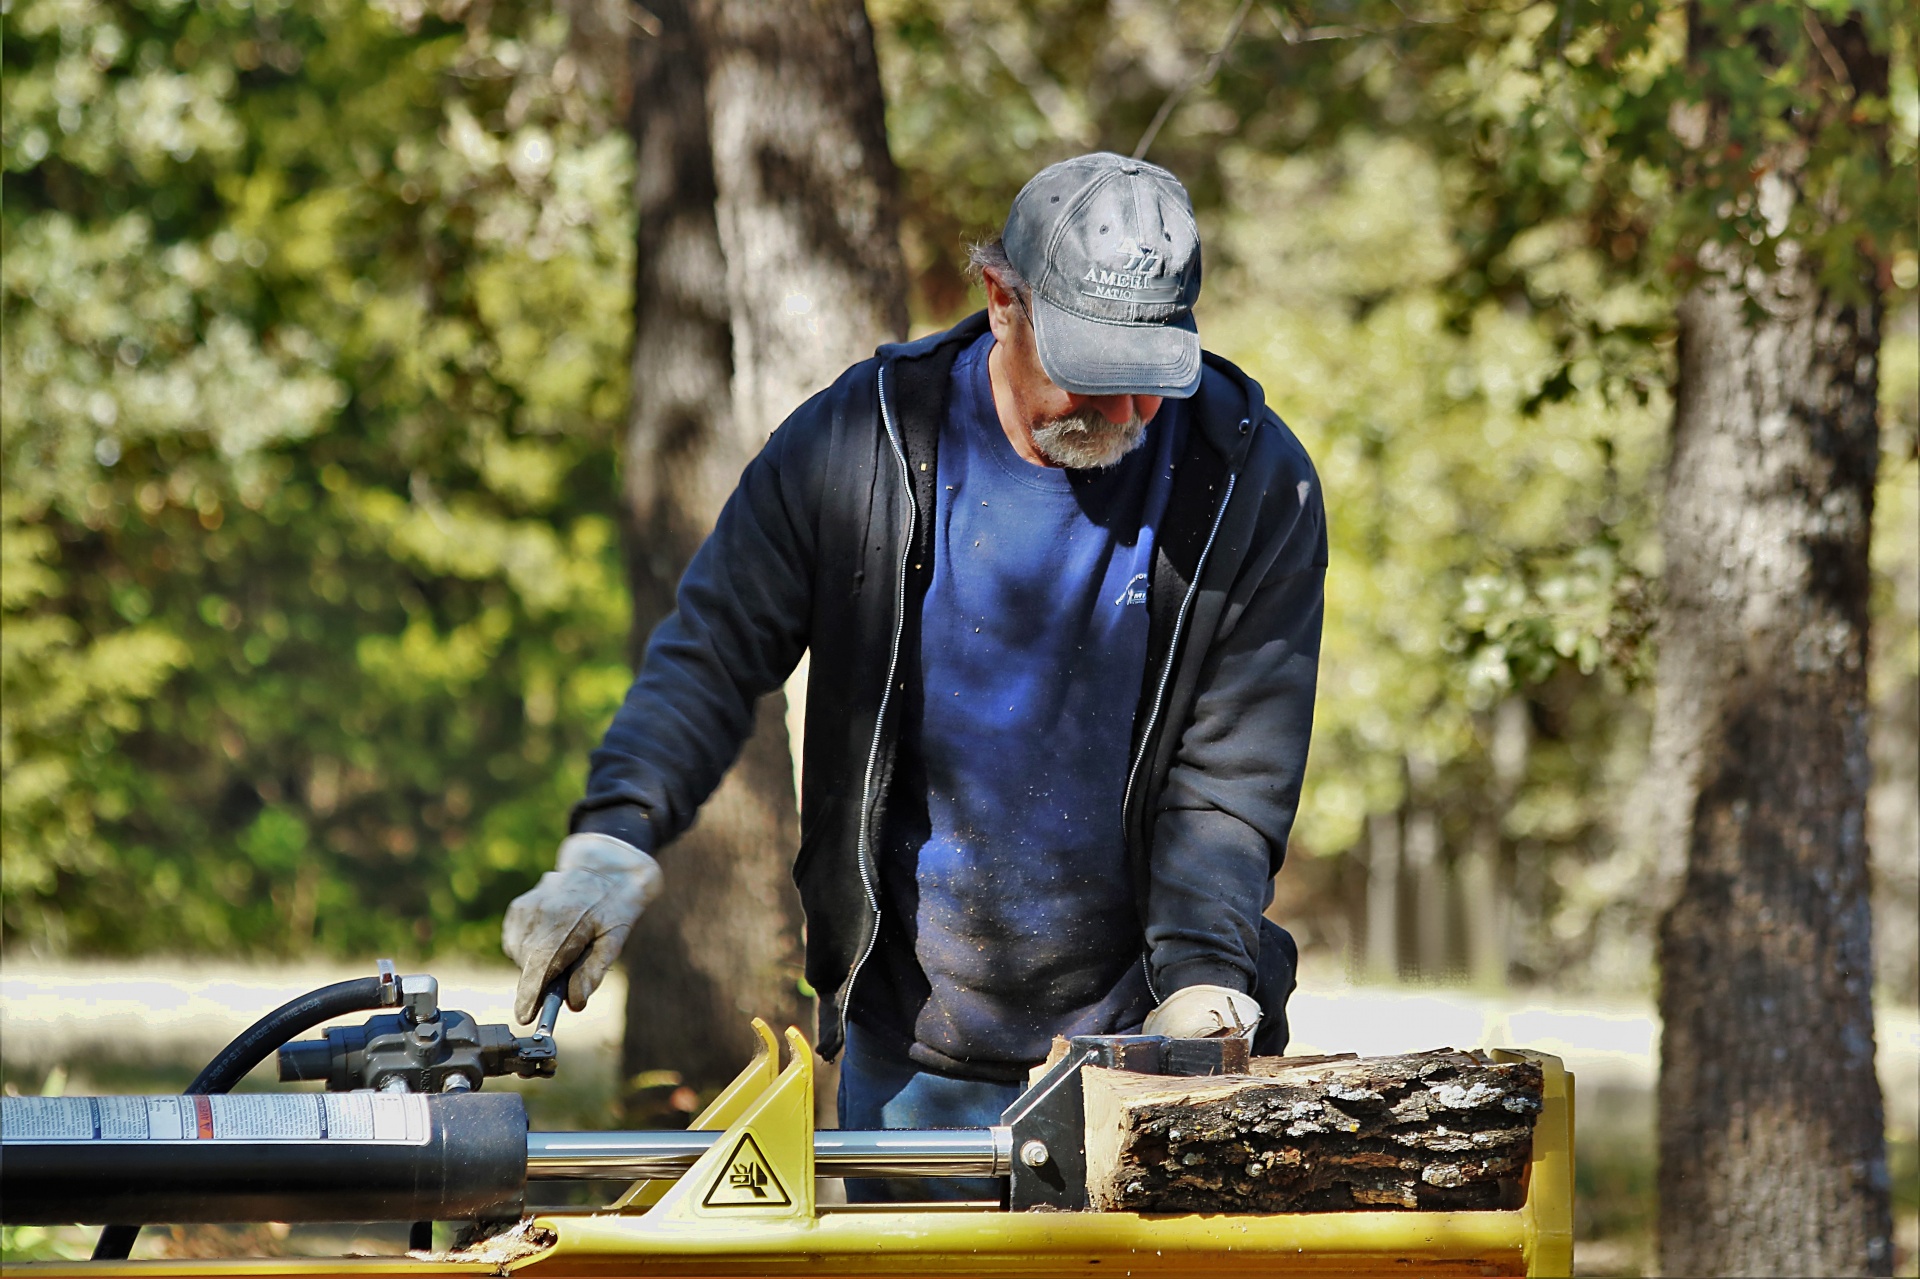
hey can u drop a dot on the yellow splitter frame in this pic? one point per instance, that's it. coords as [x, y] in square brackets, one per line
[747, 1207]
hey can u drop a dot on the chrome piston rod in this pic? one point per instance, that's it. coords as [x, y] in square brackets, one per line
[622, 1156]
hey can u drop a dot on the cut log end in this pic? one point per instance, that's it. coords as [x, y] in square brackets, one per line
[1432, 1131]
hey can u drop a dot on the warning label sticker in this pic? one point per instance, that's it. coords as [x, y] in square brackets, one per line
[398, 1118]
[747, 1180]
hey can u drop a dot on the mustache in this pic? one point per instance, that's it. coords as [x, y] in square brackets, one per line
[1086, 440]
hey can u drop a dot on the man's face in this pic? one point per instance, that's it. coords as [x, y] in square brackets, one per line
[1049, 426]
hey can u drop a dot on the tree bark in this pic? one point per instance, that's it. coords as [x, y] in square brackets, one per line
[1437, 1131]
[1485, 869]
[808, 211]
[768, 261]
[1772, 1155]
[722, 944]
[1383, 897]
[1424, 854]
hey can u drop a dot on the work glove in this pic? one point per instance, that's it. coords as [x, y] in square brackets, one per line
[1204, 1012]
[581, 910]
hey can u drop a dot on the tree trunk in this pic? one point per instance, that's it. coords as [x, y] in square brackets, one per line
[1430, 893]
[1485, 871]
[806, 206]
[768, 260]
[1383, 897]
[722, 944]
[808, 211]
[1772, 1155]
[1436, 1130]
[1484, 905]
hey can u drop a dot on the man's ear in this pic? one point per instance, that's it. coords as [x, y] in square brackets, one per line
[1003, 309]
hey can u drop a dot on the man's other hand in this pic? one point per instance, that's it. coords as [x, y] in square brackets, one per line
[581, 910]
[1202, 1012]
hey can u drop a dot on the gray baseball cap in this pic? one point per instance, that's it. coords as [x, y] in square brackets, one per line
[1109, 246]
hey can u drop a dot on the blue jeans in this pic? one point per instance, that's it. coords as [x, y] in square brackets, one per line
[881, 1088]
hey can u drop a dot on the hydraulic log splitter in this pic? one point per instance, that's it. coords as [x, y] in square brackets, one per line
[403, 1133]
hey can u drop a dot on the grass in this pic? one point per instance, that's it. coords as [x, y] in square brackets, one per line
[1903, 1164]
[1614, 1200]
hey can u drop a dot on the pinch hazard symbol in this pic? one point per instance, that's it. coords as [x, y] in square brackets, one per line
[747, 1181]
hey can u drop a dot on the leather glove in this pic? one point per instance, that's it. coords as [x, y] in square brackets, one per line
[1203, 1012]
[581, 909]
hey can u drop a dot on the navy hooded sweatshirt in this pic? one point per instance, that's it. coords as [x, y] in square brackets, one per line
[1010, 914]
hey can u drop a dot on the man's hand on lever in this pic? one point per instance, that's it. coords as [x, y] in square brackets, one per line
[1202, 1012]
[578, 916]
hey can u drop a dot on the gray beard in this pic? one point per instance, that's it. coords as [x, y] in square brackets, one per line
[1086, 441]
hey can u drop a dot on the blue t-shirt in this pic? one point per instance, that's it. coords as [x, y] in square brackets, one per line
[1007, 910]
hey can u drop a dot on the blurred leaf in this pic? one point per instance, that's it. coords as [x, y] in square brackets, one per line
[315, 320]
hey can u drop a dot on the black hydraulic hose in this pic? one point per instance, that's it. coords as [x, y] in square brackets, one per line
[253, 1046]
[262, 1039]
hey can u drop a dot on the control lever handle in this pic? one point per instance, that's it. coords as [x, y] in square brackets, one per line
[550, 1006]
[536, 1054]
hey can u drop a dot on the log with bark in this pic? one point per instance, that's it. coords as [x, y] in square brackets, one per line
[1436, 1131]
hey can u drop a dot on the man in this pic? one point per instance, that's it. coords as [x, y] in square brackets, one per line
[1061, 577]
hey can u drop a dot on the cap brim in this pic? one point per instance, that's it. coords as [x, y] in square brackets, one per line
[1093, 357]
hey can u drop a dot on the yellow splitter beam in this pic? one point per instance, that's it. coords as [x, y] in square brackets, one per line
[746, 1206]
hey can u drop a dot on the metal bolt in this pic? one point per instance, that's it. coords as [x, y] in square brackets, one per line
[420, 994]
[1033, 1153]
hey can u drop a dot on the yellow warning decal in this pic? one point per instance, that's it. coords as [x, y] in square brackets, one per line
[747, 1181]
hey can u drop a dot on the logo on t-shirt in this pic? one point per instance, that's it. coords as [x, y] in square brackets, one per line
[1136, 592]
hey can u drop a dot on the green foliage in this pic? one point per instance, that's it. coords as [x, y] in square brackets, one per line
[1486, 545]
[315, 321]
[40, 1243]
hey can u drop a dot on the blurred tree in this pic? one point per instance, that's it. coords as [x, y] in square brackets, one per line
[767, 262]
[1491, 553]
[313, 319]
[692, 957]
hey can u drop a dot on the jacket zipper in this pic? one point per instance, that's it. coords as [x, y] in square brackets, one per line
[1166, 677]
[863, 849]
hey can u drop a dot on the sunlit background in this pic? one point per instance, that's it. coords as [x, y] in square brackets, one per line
[316, 329]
